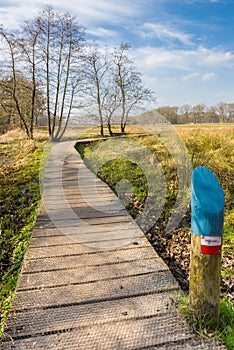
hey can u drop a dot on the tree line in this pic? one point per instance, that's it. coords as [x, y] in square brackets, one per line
[200, 113]
[49, 71]
[50, 75]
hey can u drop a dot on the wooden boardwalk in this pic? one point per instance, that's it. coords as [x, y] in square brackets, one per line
[90, 279]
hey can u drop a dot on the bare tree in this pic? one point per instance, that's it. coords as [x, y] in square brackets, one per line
[211, 115]
[185, 110]
[22, 99]
[15, 87]
[31, 59]
[170, 113]
[231, 112]
[96, 71]
[128, 79]
[9, 113]
[111, 103]
[48, 49]
[60, 43]
[197, 113]
[114, 85]
[222, 110]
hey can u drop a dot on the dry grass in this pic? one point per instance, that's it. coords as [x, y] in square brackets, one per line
[19, 134]
[12, 135]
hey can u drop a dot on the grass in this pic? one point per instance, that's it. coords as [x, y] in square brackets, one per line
[207, 145]
[20, 195]
[225, 328]
[19, 198]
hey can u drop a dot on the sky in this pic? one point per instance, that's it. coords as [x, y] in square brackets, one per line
[183, 48]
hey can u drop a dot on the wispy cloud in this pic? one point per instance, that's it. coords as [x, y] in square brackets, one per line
[184, 60]
[197, 75]
[9, 3]
[209, 76]
[174, 49]
[89, 12]
[102, 32]
[203, 1]
[164, 33]
[216, 56]
[183, 76]
[192, 75]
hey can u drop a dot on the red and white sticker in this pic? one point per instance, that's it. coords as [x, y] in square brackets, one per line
[211, 245]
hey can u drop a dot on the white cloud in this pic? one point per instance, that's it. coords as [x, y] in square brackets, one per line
[89, 12]
[164, 33]
[216, 56]
[199, 75]
[183, 76]
[150, 58]
[102, 32]
[208, 76]
[177, 75]
[203, 1]
[191, 76]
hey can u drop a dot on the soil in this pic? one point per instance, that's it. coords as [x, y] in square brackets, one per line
[174, 249]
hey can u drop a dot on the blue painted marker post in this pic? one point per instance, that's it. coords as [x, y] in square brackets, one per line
[207, 205]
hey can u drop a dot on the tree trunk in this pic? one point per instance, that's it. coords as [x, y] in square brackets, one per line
[109, 128]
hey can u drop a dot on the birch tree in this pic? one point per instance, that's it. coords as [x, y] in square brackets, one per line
[60, 43]
[133, 93]
[97, 69]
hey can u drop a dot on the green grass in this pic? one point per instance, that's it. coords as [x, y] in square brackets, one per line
[19, 199]
[116, 170]
[120, 159]
[212, 147]
[225, 328]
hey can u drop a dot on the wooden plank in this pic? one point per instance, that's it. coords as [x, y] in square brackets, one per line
[52, 258]
[92, 292]
[77, 296]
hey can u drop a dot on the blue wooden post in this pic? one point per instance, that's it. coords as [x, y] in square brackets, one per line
[207, 204]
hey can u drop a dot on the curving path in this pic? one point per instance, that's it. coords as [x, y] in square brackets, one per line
[90, 279]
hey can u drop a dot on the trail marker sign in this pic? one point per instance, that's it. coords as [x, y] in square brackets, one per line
[207, 204]
[211, 245]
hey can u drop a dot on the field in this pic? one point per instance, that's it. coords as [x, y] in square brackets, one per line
[19, 199]
[209, 145]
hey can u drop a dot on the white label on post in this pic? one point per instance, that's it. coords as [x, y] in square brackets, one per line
[211, 241]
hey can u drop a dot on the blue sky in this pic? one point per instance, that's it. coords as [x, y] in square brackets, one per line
[183, 48]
